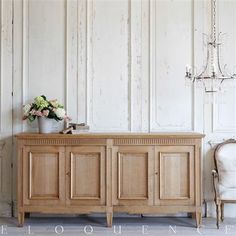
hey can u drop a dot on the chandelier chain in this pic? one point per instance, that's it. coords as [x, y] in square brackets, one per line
[214, 21]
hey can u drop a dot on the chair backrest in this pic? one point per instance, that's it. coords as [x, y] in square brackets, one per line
[225, 162]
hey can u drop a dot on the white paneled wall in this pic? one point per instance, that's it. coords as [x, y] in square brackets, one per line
[5, 107]
[117, 65]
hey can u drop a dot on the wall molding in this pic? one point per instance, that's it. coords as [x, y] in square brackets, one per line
[155, 124]
[90, 70]
[217, 126]
[25, 56]
[82, 59]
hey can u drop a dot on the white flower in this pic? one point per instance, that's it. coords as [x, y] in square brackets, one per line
[26, 109]
[60, 113]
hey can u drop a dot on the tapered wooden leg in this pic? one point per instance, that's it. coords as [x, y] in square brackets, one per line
[109, 219]
[21, 219]
[198, 216]
[193, 215]
[222, 211]
[218, 211]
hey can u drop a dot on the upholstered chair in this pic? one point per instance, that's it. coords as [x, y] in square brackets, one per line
[224, 177]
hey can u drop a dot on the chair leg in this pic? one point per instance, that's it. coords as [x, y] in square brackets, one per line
[218, 211]
[222, 211]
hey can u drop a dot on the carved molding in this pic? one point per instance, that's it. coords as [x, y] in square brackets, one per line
[65, 142]
[154, 141]
[116, 141]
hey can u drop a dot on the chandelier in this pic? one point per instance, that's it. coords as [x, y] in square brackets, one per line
[212, 75]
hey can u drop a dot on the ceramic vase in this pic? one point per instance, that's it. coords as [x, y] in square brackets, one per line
[45, 125]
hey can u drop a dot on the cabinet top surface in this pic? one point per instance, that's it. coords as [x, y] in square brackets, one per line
[107, 135]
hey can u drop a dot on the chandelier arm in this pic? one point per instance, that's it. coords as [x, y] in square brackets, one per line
[218, 60]
[205, 68]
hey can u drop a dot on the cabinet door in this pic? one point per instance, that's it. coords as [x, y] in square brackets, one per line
[85, 168]
[133, 175]
[174, 175]
[43, 175]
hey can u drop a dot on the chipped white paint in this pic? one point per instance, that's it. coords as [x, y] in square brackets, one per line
[171, 98]
[108, 45]
[117, 65]
[5, 107]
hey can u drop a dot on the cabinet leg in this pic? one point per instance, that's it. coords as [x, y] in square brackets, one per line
[21, 219]
[109, 219]
[198, 219]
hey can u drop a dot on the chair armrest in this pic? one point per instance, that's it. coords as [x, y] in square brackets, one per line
[214, 174]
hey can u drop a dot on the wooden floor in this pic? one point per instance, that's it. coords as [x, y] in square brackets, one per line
[130, 226]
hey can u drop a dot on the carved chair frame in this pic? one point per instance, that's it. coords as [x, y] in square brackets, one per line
[218, 201]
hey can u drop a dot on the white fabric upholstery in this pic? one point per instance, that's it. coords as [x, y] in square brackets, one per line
[226, 193]
[226, 166]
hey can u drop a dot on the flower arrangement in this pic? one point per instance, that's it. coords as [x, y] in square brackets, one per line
[41, 107]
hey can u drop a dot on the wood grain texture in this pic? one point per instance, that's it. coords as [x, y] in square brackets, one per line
[176, 175]
[114, 135]
[85, 172]
[132, 183]
[43, 175]
[96, 177]
[43, 171]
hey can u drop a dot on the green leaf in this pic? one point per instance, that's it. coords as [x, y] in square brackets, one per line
[44, 97]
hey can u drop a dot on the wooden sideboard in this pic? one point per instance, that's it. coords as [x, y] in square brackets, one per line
[144, 173]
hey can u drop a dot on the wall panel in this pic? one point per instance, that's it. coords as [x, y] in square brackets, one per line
[171, 104]
[5, 107]
[108, 65]
[225, 101]
[46, 48]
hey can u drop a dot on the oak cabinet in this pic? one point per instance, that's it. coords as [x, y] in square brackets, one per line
[133, 175]
[43, 175]
[86, 173]
[174, 179]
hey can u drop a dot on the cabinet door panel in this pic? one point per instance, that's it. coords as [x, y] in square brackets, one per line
[86, 175]
[174, 182]
[133, 175]
[44, 175]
